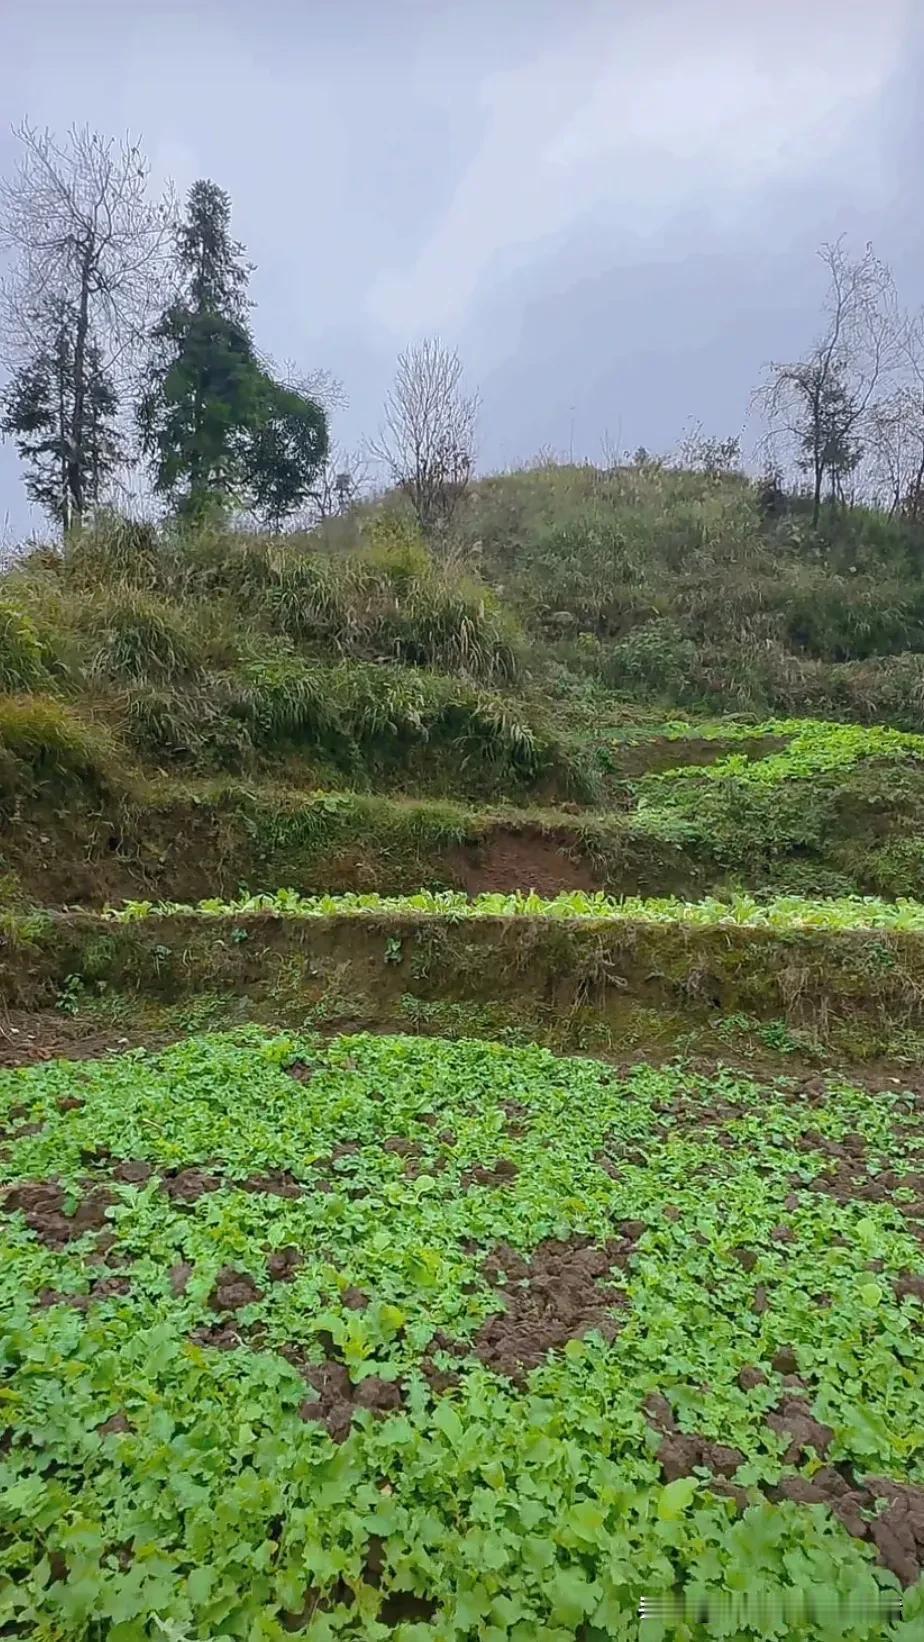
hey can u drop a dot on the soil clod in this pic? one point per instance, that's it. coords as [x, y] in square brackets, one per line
[560, 1297]
[283, 1264]
[337, 1398]
[188, 1185]
[233, 1289]
[43, 1203]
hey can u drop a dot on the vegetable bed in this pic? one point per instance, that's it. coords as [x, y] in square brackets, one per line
[400, 1337]
[740, 910]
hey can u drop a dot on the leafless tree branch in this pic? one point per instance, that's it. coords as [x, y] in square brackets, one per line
[427, 440]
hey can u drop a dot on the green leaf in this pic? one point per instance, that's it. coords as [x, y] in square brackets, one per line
[676, 1497]
[572, 1596]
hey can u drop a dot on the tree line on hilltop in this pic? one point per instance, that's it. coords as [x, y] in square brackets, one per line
[125, 325]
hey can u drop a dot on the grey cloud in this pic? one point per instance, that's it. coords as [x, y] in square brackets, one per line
[611, 208]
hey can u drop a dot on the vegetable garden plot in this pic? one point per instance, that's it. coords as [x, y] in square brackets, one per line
[403, 1337]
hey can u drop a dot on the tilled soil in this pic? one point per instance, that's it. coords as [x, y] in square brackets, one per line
[557, 1295]
[335, 1398]
[43, 1203]
[233, 1289]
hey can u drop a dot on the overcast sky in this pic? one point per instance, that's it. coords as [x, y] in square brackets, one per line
[611, 207]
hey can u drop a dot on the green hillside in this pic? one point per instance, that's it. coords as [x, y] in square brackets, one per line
[460, 1122]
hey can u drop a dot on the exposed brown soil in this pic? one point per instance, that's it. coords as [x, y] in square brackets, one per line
[848, 1179]
[502, 1173]
[785, 1360]
[555, 1296]
[403, 1608]
[56, 1297]
[283, 1264]
[105, 1288]
[233, 1289]
[188, 1185]
[220, 1336]
[398, 1607]
[681, 1452]
[509, 860]
[897, 1530]
[44, 1035]
[401, 1146]
[516, 1114]
[21, 1131]
[132, 1172]
[749, 1377]
[276, 1183]
[665, 753]
[180, 1275]
[42, 1202]
[410, 1150]
[116, 1425]
[105, 1251]
[301, 1071]
[336, 1399]
[794, 1421]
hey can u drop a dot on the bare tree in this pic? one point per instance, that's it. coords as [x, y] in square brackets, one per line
[817, 408]
[340, 482]
[427, 441]
[88, 249]
[896, 430]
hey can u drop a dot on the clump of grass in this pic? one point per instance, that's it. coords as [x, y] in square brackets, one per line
[382, 716]
[142, 640]
[46, 742]
[21, 662]
[113, 551]
[391, 601]
[186, 725]
[286, 700]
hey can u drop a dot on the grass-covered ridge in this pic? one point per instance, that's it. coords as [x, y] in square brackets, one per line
[744, 911]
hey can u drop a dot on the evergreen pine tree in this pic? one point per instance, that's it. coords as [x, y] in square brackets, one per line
[216, 426]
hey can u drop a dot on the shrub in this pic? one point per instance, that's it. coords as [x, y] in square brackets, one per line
[656, 660]
[186, 725]
[835, 618]
[370, 716]
[286, 701]
[393, 603]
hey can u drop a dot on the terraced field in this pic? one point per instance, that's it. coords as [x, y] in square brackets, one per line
[386, 1336]
[336, 1303]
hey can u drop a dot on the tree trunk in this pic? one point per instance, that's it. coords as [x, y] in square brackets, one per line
[64, 501]
[75, 460]
[916, 488]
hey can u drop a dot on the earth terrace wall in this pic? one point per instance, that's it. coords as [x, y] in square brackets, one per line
[210, 843]
[569, 982]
